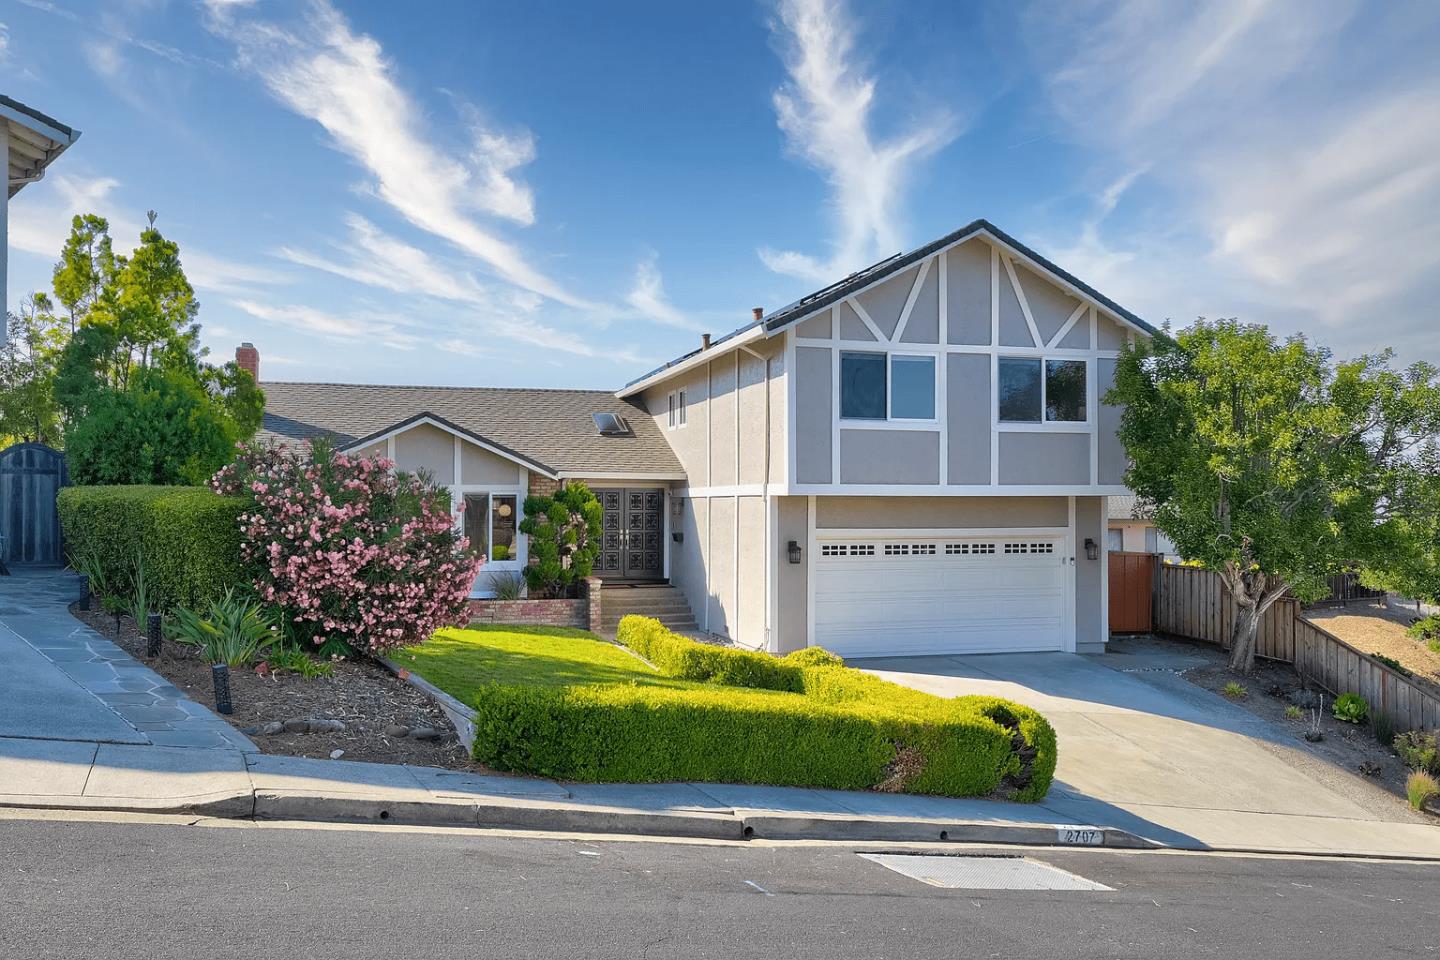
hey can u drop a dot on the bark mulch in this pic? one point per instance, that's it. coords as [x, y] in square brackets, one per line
[1375, 628]
[363, 695]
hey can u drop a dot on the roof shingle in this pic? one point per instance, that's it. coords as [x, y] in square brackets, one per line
[554, 428]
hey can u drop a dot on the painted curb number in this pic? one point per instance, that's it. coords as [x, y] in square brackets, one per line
[1083, 836]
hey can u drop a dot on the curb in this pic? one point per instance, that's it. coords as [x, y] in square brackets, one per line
[780, 827]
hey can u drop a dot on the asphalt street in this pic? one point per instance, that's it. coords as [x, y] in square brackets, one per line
[101, 889]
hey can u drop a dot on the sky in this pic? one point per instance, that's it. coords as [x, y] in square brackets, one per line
[568, 194]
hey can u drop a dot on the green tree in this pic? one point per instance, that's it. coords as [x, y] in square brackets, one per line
[84, 279]
[564, 531]
[1271, 464]
[28, 409]
[164, 428]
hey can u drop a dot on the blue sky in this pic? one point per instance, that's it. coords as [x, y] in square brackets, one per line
[565, 194]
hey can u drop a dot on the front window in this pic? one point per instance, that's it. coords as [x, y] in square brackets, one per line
[878, 386]
[490, 524]
[1030, 387]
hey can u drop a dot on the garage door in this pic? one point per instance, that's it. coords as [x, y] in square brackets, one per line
[887, 597]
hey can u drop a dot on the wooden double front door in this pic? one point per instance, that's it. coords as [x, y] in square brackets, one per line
[632, 545]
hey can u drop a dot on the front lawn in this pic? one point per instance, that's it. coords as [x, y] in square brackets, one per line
[460, 661]
[562, 703]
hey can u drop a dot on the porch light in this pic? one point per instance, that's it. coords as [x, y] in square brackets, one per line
[1092, 549]
[793, 549]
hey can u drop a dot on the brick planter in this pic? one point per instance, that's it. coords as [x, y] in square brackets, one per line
[583, 613]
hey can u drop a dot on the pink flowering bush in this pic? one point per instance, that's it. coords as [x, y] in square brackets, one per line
[359, 558]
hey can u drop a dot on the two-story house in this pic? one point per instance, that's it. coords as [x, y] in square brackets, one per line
[913, 460]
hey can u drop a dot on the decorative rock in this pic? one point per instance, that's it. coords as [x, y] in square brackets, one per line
[396, 730]
[326, 726]
[250, 731]
[272, 728]
[425, 733]
[297, 726]
[336, 754]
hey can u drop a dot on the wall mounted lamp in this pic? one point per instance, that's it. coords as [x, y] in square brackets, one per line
[1092, 549]
[793, 549]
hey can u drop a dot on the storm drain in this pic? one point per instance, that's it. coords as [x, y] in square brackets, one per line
[982, 873]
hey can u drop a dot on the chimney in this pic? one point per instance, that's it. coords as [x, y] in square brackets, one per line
[759, 313]
[704, 341]
[248, 358]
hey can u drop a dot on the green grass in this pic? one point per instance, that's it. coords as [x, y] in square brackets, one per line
[461, 661]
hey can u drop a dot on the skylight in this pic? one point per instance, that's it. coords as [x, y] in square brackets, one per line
[611, 425]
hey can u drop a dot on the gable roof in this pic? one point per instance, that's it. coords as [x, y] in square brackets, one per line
[828, 296]
[551, 431]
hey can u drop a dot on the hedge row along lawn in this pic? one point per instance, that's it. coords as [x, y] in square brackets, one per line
[565, 704]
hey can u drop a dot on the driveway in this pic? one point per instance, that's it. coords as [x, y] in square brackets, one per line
[1147, 751]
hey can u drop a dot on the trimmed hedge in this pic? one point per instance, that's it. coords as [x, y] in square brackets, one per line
[189, 537]
[801, 720]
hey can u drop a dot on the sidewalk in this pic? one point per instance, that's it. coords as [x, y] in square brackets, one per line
[84, 726]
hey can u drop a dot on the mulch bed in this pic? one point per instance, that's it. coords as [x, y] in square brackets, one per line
[1375, 628]
[363, 695]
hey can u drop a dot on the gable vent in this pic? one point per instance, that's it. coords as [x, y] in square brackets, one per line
[611, 425]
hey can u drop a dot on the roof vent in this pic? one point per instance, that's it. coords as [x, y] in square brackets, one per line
[611, 425]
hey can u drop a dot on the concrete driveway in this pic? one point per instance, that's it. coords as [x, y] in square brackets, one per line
[1147, 751]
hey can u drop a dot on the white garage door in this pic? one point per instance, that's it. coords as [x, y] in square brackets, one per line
[888, 597]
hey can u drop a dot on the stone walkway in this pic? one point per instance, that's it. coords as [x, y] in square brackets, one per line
[73, 684]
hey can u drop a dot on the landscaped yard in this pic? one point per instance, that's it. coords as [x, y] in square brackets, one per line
[460, 662]
[563, 703]
[1374, 628]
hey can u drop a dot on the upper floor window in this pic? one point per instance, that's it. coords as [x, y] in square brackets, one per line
[881, 386]
[1035, 391]
[676, 413]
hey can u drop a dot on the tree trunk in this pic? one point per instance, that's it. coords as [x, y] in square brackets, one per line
[1242, 637]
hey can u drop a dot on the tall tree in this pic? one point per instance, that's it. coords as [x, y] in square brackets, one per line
[84, 279]
[28, 409]
[1274, 466]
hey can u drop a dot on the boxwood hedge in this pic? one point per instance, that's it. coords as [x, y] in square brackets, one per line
[189, 537]
[803, 720]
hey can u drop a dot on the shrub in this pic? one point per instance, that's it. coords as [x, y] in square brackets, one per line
[930, 754]
[564, 531]
[1426, 629]
[1421, 788]
[1235, 691]
[1292, 712]
[359, 558]
[642, 734]
[1392, 663]
[187, 538]
[1351, 707]
[232, 630]
[508, 586]
[1418, 750]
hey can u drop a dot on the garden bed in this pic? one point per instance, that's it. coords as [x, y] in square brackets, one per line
[364, 696]
[1375, 628]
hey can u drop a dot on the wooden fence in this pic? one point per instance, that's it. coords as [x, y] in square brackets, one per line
[1194, 603]
[1345, 587]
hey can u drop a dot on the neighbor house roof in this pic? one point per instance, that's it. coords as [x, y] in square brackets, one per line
[876, 272]
[35, 140]
[1127, 508]
[550, 430]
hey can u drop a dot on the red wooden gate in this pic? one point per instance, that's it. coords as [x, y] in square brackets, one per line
[1132, 585]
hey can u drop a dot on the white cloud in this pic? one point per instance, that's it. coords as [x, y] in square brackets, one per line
[378, 259]
[648, 297]
[104, 57]
[379, 330]
[4, 43]
[1302, 153]
[322, 70]
[825, 112]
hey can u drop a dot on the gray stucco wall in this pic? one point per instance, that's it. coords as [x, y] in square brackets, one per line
[1089, 522]
[1110, 335]
[792, 521]
[957, 513]
[924, 323]
[1050, 306]
[1042, 458]
[427, 448]
[720, 563]
[968, 399]
[885, 302]
[967, 292]
[1113, 461]
[889, 456]
[478, 465]
[749, 618]
[813, 412]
